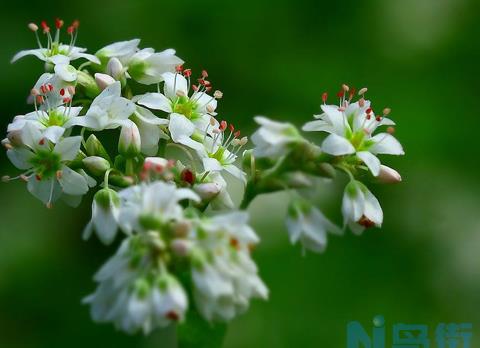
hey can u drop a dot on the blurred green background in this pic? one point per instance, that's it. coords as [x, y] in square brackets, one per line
[419, 57]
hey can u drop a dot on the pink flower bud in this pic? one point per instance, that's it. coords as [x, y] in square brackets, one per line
[389, 175]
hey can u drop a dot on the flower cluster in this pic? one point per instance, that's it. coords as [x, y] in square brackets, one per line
[185, 246]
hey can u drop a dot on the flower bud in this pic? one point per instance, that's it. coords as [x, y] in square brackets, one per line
[187, 176]
[389, 175]
[181, 247]
[129, 143]
[88, 83]
[94, 147]
[207, 191]
[115, 68]
[103, 80]
[107, 198]
[96, 165]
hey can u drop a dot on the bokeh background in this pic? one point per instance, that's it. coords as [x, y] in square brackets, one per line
[419, 57]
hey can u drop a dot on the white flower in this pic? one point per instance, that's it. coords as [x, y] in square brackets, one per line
[56, 52]
[307, 224]
[134, 293]
[225, 277]
[122, 51]
[150, 129]
[103, 80]
[149, 205]
[351, 128]
[46, 165]
[274, 139]
[147, 66]
[214, 190]
[360, 208]
[109, 110]
[105, 210]
[52, 123]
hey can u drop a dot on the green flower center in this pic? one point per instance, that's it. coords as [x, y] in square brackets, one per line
[46, 163]
[54, 118]
[185, 106]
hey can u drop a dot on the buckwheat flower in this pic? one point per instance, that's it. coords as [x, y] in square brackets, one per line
[149, 205]
[150, 128]
[129, 142]
[53, 114]
[55, 52]
[46, 167]
[148, 67]
[351, 127]
[134, 292]
[360, 208]
[105, 210]
[307, 224]
[225, 277]
[192, 112]
[122, 51]
[274, 139]
[219, 152]
[108, 111]
[214, 190]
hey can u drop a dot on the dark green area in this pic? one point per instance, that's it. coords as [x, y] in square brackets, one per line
[276, 58]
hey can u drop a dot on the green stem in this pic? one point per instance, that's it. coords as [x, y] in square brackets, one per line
[129, 167]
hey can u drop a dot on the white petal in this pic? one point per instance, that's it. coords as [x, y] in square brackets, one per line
[173, 83]
[89, 57]
[72, 182]
[66, 72]
[211, 164]
[318, 126]
[42, 189]
[54, 133]
[156, 101]
[20, 157]
[39, 53]
[386, 144]
[373, 210]
[236, 172]
[337, 145]
[180, 126]
[372, 162]
[68, 148]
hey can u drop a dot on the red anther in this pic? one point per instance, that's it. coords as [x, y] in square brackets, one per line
[66, 100]
[187, 176]
[45, 27]
[158, 168]
[390, 130]
[179, 68]
[195, 87]
[58, 23]
[324, 97]
[173, 316]
[76, 23]
[366, 222]
[207, 83]
[231, 127]
[43, 89]
[39, 99]
[223, 125]
[353, 91]
[378, 118]
[341, 94]
[62, 92]
[50, 87]
[38, 177]
[236, 134]
[208, 89]
[234, 243]
[42, 141]
[204, 74]
[369, 111]
[187, 72]
[368, 117]
[70, 29]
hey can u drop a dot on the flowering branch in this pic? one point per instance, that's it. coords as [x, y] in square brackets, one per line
[185, 254]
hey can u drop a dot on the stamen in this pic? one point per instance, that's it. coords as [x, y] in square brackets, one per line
[386, 111]
[390, 130]
[324, 97]
[218, 94]
[362, 91]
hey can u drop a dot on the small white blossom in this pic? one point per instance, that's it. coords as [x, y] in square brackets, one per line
[360, 208]
[224, 275]
[351, 127]
[307, 224]
[148, 67]
[105, 210]
[122, 51]
[46, 165]
[274, 139]
[109, 110]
